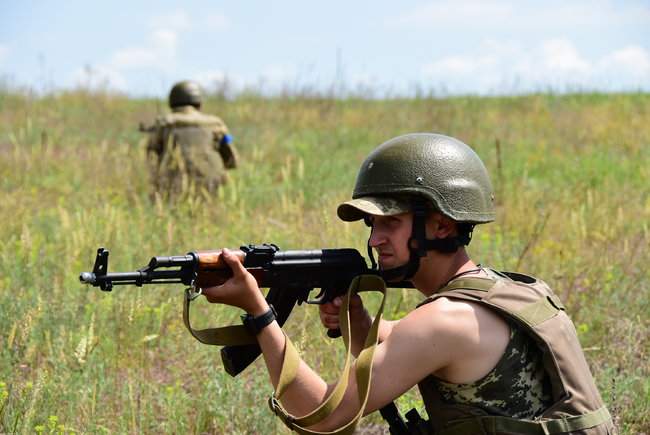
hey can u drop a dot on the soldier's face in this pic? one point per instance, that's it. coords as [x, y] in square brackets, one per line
[389, 237]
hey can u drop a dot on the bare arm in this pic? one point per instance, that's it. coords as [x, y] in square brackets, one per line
[226, 148]
[360, 321]
[229, 155]
[155, 142]
[430, 339]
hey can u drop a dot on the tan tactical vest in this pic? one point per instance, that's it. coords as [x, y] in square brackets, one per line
[190, 149]
[577, 406]
[194, 135]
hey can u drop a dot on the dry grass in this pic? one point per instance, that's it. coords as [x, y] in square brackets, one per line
[571, 173]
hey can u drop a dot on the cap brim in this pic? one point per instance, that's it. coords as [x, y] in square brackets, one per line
[357, 209]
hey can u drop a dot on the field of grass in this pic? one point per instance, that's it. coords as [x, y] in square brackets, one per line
[571, 174]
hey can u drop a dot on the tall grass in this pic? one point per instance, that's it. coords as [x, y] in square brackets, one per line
[572, 180]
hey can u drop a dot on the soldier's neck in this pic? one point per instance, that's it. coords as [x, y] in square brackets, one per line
[436, 269]
[184, 109]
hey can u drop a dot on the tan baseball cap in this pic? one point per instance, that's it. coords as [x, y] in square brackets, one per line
[357, 209]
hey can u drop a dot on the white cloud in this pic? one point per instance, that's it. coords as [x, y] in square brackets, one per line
[158, 52]
[100, 77]
[218, 79]
[482, 69]
[632, 60]
[521, 16]
[559, 55]
[555, 63]
[626, 68]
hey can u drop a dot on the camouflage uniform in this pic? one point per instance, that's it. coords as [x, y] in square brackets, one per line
[516, 387]
[187, 147]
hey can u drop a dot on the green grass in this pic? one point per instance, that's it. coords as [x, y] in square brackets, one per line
[571, 173]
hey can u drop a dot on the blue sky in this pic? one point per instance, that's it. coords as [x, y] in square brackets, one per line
[464, 46]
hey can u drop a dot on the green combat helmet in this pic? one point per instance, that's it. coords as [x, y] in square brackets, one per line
[419, 172]
[185, 93]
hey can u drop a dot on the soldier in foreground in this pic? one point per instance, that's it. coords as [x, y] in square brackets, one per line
[491, 352]
[187, 148]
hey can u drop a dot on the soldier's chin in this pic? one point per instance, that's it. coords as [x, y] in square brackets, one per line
[395, 274]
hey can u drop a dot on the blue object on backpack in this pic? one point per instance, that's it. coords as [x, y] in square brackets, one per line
[226, 139]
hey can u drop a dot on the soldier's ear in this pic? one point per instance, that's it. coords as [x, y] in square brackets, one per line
[440, 226]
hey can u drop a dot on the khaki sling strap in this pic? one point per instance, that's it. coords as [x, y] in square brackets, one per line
[363, 367]
[225, 336]
[493, 424]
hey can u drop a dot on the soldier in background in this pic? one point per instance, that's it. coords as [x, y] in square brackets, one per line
[188, 149]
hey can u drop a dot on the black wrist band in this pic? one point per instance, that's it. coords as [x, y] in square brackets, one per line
[254, 325]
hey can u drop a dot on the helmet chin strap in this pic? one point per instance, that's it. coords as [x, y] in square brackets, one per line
[419, 245]
[373, 263]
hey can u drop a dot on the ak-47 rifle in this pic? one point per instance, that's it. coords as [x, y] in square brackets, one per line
[290, 277]
[151, 127]
[146, 129]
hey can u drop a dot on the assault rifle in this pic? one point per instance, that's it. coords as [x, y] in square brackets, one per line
[290, 276]
[146, 128]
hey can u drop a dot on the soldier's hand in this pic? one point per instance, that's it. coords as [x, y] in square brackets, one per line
[241, 290]
[329, 312]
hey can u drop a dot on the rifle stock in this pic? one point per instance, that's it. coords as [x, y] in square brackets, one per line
[146, 129]
[236, 358]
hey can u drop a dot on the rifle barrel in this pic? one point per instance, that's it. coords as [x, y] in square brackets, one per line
[131, 278]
